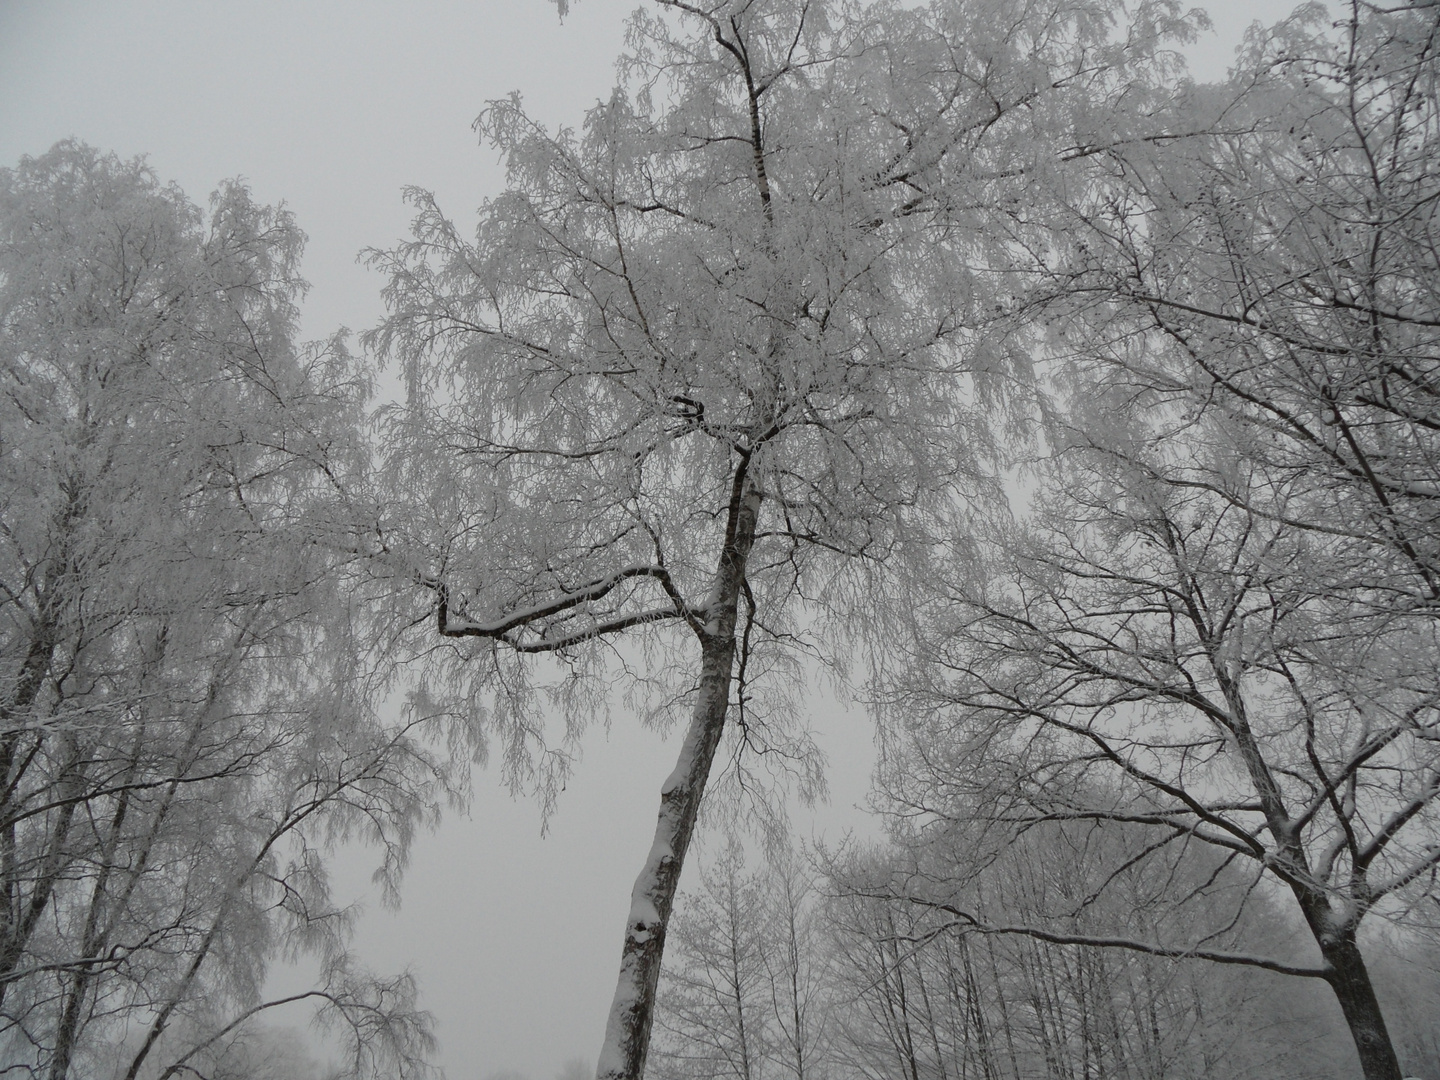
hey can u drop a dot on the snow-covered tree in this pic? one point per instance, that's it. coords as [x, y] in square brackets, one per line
[743, 994]
[961, 950]
[186, 720]
[714, 1022]
[709, 360]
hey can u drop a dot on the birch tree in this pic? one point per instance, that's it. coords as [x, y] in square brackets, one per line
[185, 716]
[708, 360]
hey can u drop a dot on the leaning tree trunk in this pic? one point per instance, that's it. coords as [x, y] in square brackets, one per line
[627, 1032]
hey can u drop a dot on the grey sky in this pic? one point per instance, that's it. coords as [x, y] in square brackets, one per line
[334, 107]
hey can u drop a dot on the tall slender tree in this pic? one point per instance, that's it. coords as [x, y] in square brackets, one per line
[707, 361]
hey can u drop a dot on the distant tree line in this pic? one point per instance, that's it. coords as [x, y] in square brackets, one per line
[791, 967]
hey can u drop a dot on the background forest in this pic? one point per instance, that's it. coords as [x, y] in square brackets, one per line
[1077, 419]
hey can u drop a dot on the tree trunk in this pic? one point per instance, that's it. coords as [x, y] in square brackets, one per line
[627, 1031]
[92, 942]
[1351, 982]
[1348, 976]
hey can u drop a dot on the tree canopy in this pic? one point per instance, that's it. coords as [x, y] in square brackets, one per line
[1094, 411]
[1215, 617]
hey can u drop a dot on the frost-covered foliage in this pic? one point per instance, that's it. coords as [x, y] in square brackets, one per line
[186, 720]
[713, 360]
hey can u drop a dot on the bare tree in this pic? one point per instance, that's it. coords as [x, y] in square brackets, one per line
[743, 994]
[795, 966]
[1222, 596]
[959, 955]
[1139, 629]
[714, 1007]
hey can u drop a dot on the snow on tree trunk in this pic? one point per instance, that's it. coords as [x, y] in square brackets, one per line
[627, 1031]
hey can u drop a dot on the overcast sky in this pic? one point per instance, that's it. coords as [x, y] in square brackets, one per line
[334, 107]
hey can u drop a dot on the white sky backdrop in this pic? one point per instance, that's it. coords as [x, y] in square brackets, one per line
[333, 107]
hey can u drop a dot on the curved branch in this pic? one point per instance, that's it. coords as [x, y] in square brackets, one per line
[968, 923]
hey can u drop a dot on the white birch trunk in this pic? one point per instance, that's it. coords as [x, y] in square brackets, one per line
[627, 1031]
